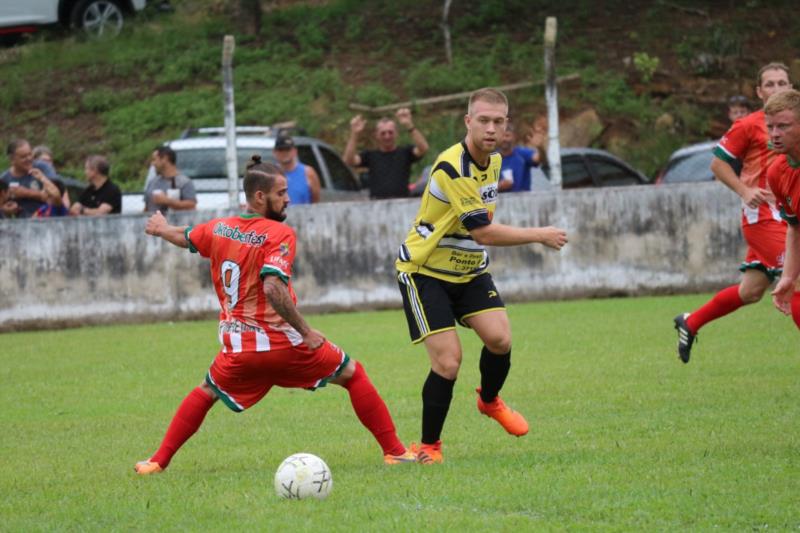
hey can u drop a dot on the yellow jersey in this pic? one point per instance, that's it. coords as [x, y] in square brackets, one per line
[461, 195]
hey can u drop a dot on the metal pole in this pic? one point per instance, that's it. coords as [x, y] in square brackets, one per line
[231, 159]
[551, 96]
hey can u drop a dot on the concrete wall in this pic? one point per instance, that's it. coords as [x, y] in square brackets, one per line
[630, 240]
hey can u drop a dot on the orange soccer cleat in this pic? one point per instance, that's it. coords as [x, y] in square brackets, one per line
[406, 457]
[513, 422]
[145, 468]
[428, 454]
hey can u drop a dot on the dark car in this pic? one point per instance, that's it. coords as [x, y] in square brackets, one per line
[690, 163]
[580, 167]
[590, 167]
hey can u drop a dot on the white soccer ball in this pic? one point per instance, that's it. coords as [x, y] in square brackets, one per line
[303, 475]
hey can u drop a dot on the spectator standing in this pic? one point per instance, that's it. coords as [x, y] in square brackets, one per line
[30, 183]
[738, 107]
[303, 180]
[169, 189]
[515, 172]
[762, 227]
[8, 208]
[43, 154]
[389, 166]
[102, 196]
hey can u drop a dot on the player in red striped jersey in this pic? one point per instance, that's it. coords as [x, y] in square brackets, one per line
[763, 229]
[783, 124]
[265, 341]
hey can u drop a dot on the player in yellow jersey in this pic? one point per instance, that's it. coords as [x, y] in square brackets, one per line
[443, 277]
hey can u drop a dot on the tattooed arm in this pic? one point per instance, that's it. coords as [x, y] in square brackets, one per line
[281, 301]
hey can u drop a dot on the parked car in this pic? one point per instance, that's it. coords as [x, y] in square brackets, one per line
[580, 167]
[590, 167]
[691, 164]
[200, 155]
[95, 17]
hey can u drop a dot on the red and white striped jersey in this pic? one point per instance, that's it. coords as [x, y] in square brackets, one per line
[243, 250]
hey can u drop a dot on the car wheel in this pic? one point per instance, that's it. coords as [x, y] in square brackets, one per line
[98, 18]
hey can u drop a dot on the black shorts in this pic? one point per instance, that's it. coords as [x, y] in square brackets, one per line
[433, 305]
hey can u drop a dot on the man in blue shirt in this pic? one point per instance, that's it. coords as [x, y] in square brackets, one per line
[515, 172]
[302, 179]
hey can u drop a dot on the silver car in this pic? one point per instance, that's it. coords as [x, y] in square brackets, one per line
[200, 155]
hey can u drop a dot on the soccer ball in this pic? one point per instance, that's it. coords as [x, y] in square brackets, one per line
[303, 475]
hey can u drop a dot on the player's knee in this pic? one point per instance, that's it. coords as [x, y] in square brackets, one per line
[447, 367]
[205, 387]
[347, 373]
[499, 344]
[750, 295]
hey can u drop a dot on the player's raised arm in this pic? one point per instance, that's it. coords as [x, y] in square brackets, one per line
[158, 226]
[281, 301]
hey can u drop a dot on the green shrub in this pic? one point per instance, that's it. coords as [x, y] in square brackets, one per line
[105, 99]
[645, 65]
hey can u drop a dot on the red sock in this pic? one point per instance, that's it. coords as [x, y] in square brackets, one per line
[796, 308]
[185, 423]
[724, 302]
[372, 411]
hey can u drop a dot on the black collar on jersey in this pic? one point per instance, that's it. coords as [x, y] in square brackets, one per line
[466, 158]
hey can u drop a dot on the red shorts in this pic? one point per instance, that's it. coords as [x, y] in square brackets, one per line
[242, 379]
[766, 247]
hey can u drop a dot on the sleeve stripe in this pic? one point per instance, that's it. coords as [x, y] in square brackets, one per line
[447, 168]
[724, 154]
[790, 219]
[189, 240]
[475, 219]
[270, 270]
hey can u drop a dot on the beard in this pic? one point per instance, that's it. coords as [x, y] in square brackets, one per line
[278, 216]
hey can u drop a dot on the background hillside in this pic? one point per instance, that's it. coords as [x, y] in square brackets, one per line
[654, 75]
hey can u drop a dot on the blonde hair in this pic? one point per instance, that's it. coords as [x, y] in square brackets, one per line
[782, 101]
[488, 95]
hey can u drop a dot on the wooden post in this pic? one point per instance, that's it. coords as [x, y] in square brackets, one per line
[448, 49]
[231, 158]
[551, 96]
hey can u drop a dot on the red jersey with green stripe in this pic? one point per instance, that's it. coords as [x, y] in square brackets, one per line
[747, 140]
[784, 180]
[243, 250]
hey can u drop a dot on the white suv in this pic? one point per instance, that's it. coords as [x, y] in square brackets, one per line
[200, 155]
[96, 17]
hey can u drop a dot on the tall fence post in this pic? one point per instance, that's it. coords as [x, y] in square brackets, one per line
[551, 96]
[231, 159]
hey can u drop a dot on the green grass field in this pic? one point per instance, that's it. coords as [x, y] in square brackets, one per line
[623, 437]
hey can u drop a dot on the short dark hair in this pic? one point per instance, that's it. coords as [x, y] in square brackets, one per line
[739, 100]
[14, 145]
[166, 151]
[775, 65]
[100, 164]
[260, 176]
[3, 186]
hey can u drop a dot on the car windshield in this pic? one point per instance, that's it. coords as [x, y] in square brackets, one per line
[200, 163]
[694, 167]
